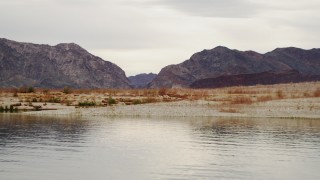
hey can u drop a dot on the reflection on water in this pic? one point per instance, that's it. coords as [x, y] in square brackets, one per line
[161, 148]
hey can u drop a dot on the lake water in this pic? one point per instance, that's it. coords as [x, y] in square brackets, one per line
[38, 148]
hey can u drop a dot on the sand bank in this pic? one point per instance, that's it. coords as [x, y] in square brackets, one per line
[287, 108]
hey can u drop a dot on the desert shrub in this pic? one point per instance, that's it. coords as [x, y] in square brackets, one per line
[11, 109]
[112, 92]
[280, 94]
[37, 108]
[236, 91]
[264, 98]
[111, 101]
[241, 100]
[26, 89]
[54, 100]
[137, 101]
[68, 103]
[23, 89]
[162, 91]
[229, 110]
[45, 91]
[67, 90]
[150, 100]
[15, 92]
[6, 109]
[87, 103]
[317, 93]
[305, 94]
[31, 89]
[150, 92]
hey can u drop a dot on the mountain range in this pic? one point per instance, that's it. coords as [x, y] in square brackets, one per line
[141, 80]
[68, 64]
[223, 62]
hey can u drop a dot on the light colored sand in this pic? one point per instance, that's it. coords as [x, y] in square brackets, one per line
[293, 108]
[289, 108]
[299, 100]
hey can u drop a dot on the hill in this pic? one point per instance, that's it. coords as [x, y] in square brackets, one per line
[66, 64]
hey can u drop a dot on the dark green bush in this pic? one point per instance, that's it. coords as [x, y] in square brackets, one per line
[31, 89]
[54, 100]
[87, 103]
[137, 101]
[11, 109]
[111, 101]
[26, 89]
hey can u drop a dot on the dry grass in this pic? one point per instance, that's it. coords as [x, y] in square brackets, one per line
[241, 100]
[317, 93]
[242, 95]
[229, 110]
[242, 90]
[280, 94]
[264, 98]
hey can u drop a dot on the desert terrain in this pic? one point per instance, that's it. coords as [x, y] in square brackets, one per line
[293, 100]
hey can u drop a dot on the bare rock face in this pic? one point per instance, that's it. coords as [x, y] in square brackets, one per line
[221, 61]
[141, 80]
[57, 66]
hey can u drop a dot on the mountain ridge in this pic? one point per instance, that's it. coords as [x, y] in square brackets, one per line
[68, 64]
[141, 80]
[65, 64]
[222, 61]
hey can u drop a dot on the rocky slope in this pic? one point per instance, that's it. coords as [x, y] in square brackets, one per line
[263, 78]
[56, 67]
[222, 61]
[141, 80]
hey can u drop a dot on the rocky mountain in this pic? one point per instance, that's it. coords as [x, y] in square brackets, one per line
[264, 78]
[57, 66]
[225, 62]
[141, 80]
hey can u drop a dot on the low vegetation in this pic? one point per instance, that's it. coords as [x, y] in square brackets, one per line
[87, 103]
[10, 109]
[227, 99]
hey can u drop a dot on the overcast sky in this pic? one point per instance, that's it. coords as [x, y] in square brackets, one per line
[143, 36]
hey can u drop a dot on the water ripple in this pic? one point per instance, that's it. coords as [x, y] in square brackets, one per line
[133, 148]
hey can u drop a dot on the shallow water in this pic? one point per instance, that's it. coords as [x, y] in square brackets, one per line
[38, 148]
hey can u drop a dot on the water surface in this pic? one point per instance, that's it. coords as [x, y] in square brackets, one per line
[38, 148]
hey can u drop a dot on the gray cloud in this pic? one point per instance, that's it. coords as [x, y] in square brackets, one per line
[105, 25]
[138, 34]
[213, 8]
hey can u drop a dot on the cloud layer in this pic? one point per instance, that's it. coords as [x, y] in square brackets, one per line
[146, 35]
[213, 8]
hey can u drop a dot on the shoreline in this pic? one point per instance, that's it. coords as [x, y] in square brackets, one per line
[199, 108]
[293, 100]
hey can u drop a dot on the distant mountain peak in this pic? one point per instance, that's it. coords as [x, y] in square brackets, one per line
[221, 48]
[141, 80]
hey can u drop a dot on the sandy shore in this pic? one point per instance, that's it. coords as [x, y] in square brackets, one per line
[287, 108]
[299, 100]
